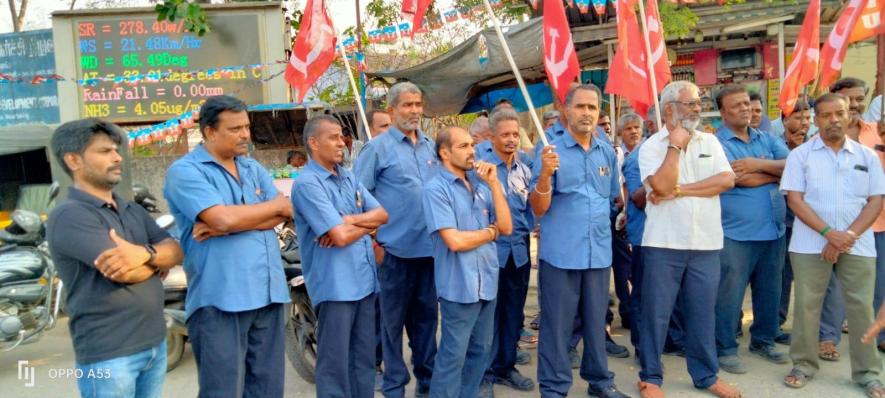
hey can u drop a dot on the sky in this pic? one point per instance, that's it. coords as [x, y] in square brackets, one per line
[343, 12]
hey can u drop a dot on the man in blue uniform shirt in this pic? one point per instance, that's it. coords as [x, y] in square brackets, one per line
[334, 215]
[394, 167]
[513, 253]
[465, 212]
[226, 206]
[574, 204]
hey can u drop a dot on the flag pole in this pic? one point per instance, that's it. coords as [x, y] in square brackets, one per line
[649, 64]
[515, 69]
[356, 91]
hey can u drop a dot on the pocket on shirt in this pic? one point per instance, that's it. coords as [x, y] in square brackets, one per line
[860, 183]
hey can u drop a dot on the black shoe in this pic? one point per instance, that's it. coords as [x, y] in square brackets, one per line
[486, 389]
[674, 351]
[422, 391]
[516, 381]
[768, 353]
[784, 338]
[608, 392]
[616, 350]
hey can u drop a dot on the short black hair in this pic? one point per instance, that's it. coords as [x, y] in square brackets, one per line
[296, 152]
[313, 124]
[214, 106]
[754, 96]
[801, 105]
[587, 86]
[444, 139]
[74, 137]
[370, 115]
[848, 82]
[830, 97]
[726, 91]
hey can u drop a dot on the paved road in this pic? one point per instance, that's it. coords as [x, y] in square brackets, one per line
[54, 353]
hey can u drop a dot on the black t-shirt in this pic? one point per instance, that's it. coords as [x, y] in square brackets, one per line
[107, 319]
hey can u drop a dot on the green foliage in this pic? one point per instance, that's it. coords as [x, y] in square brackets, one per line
[678, 20]
[193, 15]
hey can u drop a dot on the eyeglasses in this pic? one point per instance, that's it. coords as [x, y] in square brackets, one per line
[690, 104]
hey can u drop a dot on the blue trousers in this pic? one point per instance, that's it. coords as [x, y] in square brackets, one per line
[139, 375]
[760, 264]
[880, 278]
[239, 354]
[786, 282]
[675, 331]
[694, 275]
[345, 353]
[463, 348]
[567, 293]
[408, 299]
[513, 285]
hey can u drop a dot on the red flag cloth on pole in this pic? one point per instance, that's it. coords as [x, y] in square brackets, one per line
[627, 75]
[806, 55]
[660, 62]
[314, 49]
[416, 9]
[836, 46]
[560, 59]
[871, 21]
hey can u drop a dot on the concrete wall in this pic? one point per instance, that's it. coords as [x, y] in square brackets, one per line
[151, 172]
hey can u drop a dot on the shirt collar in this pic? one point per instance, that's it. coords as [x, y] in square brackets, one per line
[81, 196]
[203, 156]
[570, 141]
[818, 143]
[727, 133]
[400, 136]
[322, 171]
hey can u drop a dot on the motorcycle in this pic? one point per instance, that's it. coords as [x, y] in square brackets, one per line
[301, 319]
[30, 291]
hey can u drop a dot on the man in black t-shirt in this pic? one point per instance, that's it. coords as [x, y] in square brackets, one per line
[109, 253]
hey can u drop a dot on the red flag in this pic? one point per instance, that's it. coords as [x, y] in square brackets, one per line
[416, 9]
[314, 48]
[803, 68]
[560, 59]
[833, 52]
[629, 67]
[870, 22]
[660, 61]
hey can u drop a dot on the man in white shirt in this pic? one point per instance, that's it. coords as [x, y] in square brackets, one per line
[684, 170]
[834, 186]
[874, 111]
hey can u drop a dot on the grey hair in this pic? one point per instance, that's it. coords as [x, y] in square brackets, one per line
[479, 125]
[399, 89]
[589, 86]
[312, 127]
[670, 94]
[628, 118]
[501, 115]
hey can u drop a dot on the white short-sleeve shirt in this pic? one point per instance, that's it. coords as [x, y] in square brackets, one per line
[836, 186]
[685, 223]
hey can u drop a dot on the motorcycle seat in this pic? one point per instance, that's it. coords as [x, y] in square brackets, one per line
[19, 265]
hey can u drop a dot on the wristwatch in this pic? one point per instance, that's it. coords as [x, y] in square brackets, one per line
[152, 251]
[676, 147]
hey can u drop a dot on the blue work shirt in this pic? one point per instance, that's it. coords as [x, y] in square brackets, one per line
[321, 199]
[395, 171]
[516, 181]
[558, 130]
[633, 181]
[482, 148]
[471, 275]
[576, 230]
[237, 272]
[753, 213]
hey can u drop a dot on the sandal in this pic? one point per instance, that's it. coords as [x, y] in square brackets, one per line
[721, 389]
[799, 379]
[827, 351]
[649, 390]
[875, 389]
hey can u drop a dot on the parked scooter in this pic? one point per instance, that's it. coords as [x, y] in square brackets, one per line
[30, 292]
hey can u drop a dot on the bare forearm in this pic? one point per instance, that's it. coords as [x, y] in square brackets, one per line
[867, 216]
[271, 223]
[772, 167]
[750, 180]
[502, 211]
[709, 187]
[344, 234]
[458, 241]
[371, 219]
[169, 254]
[136, 275]
[804, 212]
[667, 177]
[239, 218]
[639, 197]
[541, 203]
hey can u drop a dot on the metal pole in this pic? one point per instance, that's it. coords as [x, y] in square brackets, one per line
[780, 51]
[356, 91]
[515, 69]
[611, 97]
[648, 62]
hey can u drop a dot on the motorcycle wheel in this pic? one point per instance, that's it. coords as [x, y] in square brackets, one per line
[174, 349]
[301, 342]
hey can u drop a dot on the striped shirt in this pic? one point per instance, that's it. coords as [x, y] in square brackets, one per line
[836, 187]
